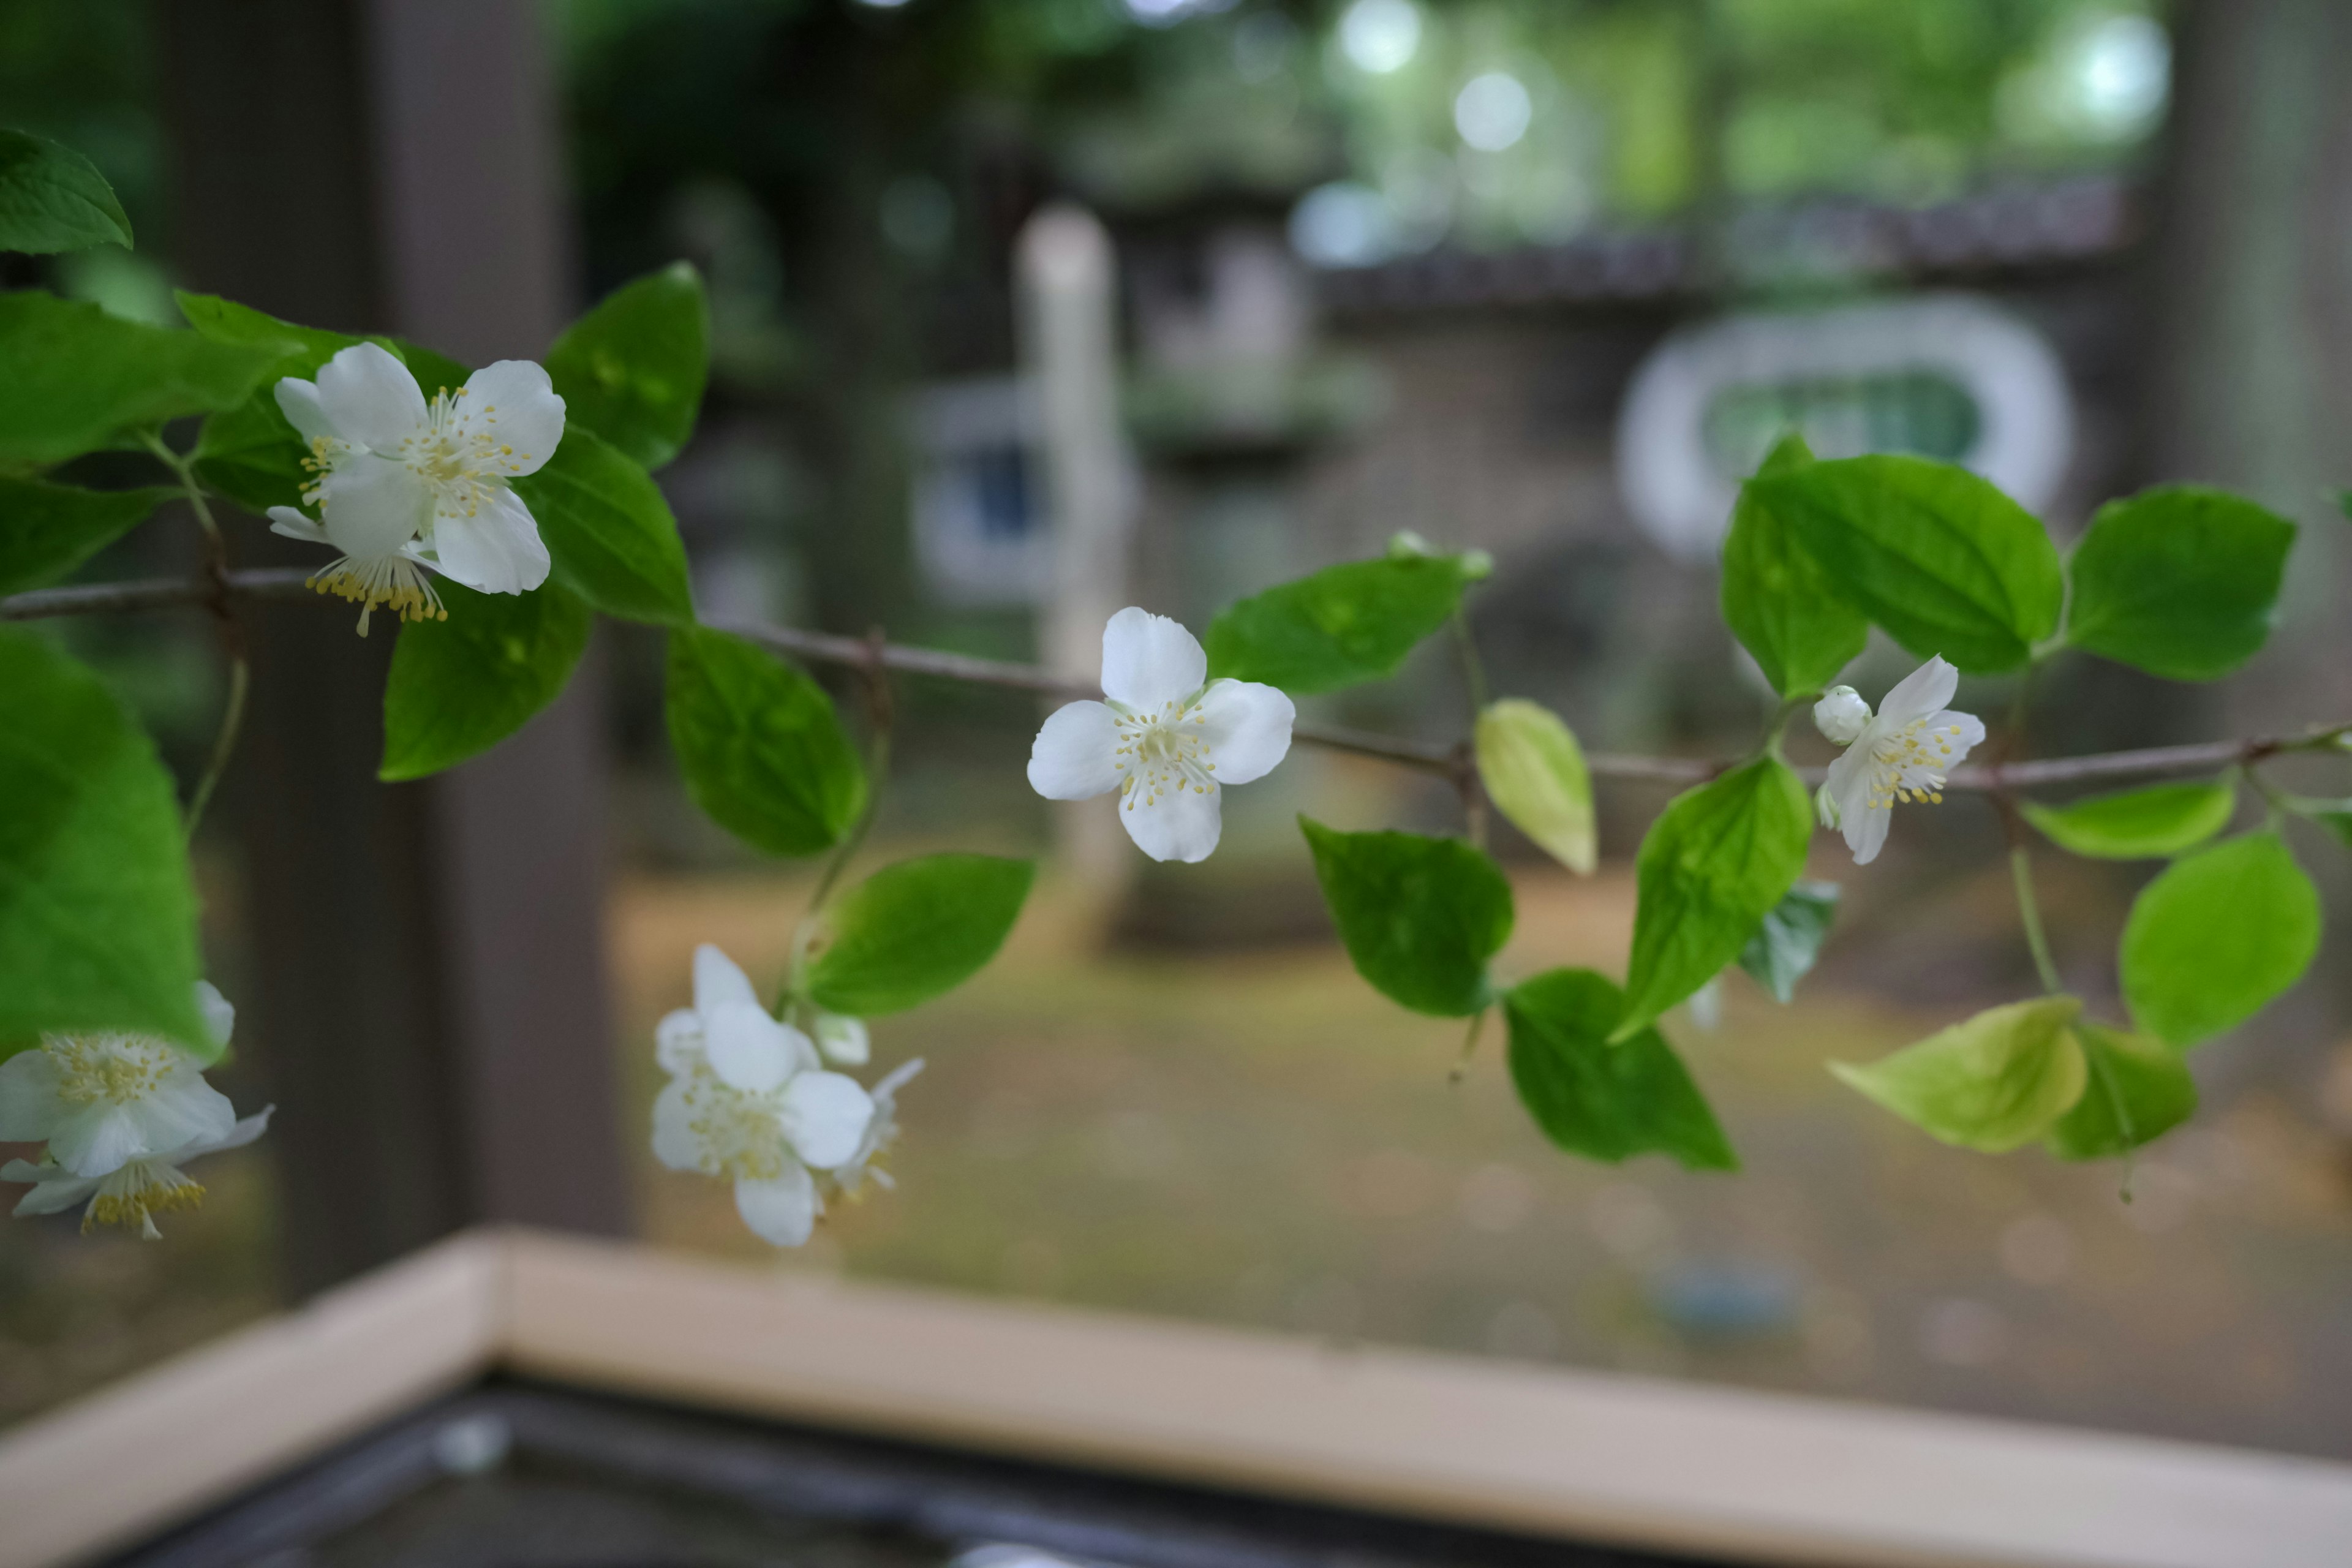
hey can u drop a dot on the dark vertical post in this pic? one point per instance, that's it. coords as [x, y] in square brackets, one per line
[2254, 383]
[473, 219]
[431, 1011]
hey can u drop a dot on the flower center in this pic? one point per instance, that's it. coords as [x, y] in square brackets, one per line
[458, 452]
[139, 1191]
[393, 581]
[738, 1134]
[327, 455]
[116, 1068]
[1908, 765]
[1163, 753]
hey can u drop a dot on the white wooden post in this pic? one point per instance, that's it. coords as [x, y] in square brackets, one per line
[1069, 344]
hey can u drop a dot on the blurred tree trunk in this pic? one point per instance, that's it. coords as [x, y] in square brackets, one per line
[430, 1010]
[2252, 383]
[860, 336]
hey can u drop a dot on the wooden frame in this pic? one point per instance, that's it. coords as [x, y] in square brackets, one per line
[1751, 1478]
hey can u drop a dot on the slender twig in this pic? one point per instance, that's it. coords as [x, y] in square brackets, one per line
[1469, 1046]
[1473, 669]
[2029, 911]
[153, 593]
[232, 636]
[824, 647]
[241, 677]
[882, 712]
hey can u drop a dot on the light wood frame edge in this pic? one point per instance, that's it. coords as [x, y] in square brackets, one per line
[1670, 1467]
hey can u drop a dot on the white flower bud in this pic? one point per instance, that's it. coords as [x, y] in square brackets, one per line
[843, 1039]
[1841, 716]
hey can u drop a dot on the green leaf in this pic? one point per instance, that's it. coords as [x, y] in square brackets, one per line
[760, 746]
[2137, 1090]
[1789, 938]
[2137, 824]
[917, 929]
[1343, 626]
[2212, 940]
[98, 920]
[2180, 582]
[460, 685]
[1777, 600]
[1711, 868]
[1421, 917]
[2001, 1080]
[47, 530]
[633, 369]
[1937, 556]
[303, 349]
[611, 536]
[1534, 771]
[74, 379]
[52, 198]
[1604, 1102]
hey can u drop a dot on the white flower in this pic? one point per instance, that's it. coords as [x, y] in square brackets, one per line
[134, 1193]
[1167, 739]
[119, 1113]
[1902, 753]
[102, 1101]
[843, 1039]
[749, 1099]
[402, 484]
[881, 1132]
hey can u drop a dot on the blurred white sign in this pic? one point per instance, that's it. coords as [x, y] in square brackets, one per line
[1948, 377]
[980, 527]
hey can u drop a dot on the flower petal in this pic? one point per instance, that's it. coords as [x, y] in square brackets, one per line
[747, 1049]
[285, 520]
[825, 1117]
[1919, 693]
[675, 1145]
[1848, 781]
[1247, 729]
[677, 1041]
[372, 506]
[219, 1012]
[298, 401]
[782, 1211]
[55, 1192]
[371, 398]
[515, 403]
[896, 1079]
[1940, 727]
[30, 1105]
[1865, 833]
[1149, 660]
[494, 546]
[246, 1130]
[1183, 826]
[98, 1141]
[844, 1039]
[182, 1110]
[1073, 757]
[718, 979]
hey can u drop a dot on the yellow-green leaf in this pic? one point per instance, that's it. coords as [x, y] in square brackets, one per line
[1534, 771]
[2001, 1080]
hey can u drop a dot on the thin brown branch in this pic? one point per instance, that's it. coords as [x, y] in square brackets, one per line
[860, 653]
[153, 593]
